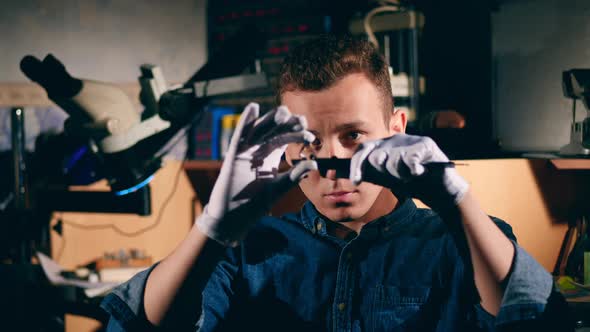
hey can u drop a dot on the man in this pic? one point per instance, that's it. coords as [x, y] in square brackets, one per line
[359, 256]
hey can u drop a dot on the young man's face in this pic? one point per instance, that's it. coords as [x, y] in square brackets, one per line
[342, 117]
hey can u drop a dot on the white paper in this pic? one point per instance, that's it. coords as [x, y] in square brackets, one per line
[53, 272]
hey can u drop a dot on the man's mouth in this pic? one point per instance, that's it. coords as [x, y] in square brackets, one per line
[340, 196]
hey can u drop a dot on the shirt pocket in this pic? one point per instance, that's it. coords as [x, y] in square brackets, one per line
[394, 306]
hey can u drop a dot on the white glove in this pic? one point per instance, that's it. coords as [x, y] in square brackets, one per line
[407, 165]
[249, 182]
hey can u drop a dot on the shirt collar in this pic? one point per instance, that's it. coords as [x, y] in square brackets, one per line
[384, 226]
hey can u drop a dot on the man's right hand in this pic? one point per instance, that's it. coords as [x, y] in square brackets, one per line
[249, 182]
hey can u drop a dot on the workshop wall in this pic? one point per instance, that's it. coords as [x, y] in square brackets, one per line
[99, 40]
[104, 40]
[533, 42]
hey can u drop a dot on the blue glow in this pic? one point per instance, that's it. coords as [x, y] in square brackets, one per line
[75, 157]
[135, 187]
[327, 24]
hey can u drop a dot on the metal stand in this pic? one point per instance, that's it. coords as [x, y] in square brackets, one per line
[20, 199]
[413, 64]
[33, 304]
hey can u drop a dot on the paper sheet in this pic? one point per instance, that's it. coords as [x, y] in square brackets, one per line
[53, 272]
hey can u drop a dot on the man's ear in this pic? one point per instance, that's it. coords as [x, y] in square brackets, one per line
[398, 121]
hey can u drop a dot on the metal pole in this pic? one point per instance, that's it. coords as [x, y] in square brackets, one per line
[387, 50]
[414, 72]
[18, 157]
[19, 173]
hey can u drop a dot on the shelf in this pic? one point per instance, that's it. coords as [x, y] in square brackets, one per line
[214, 165]
[571, 164]
[202, 165]
[31, 94]
[203, 173]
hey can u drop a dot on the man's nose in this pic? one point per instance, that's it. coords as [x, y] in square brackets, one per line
[331, 174]
[333, 150]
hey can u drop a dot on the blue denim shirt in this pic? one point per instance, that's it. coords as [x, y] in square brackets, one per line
[403, 272]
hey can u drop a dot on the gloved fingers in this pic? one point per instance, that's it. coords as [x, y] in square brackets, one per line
[276, 123]
[378, 159]
[404, 140]
[389, 162]
[302, 136]
[263, 125]
[414, 161]
[284, 122]
[431, 151]
[221, 190]
[281, 141]
[292, 124]
[299, 171]
[269, 159]
[286, 180]
[421, 153]
[274, 188]
[358, 160]
[249, 115]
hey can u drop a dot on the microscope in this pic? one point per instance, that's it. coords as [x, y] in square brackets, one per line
[128, 144]
[576, 85]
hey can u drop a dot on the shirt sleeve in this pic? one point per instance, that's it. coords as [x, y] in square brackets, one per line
[126, 309]
[530, 299]
[125, 305]
[527, 291]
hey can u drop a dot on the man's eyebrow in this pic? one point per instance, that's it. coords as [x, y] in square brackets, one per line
[343, 127]
[317, 134]
[350, 125]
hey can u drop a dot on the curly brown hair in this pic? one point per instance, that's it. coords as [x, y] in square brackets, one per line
[319, 63]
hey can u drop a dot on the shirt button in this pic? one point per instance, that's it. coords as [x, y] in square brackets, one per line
[349, 256]
[386, 229]
[318, 226]
[341, 306]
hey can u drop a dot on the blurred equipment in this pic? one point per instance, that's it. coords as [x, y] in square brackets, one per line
[127, 146]
[576, 85]
[104, 116]
[577, 265]
[106, 136]
[394, 27]
[21, 199]
[285, 25]
[120, 266]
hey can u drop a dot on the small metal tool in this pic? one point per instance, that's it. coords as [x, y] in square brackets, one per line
[342, 166]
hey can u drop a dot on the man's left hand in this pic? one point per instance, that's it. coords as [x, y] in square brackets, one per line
[411, 166]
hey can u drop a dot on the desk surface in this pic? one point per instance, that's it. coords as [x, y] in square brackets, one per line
[582, 299]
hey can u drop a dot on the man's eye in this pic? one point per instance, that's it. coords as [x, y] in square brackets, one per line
[354, 135]
[313, 146]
